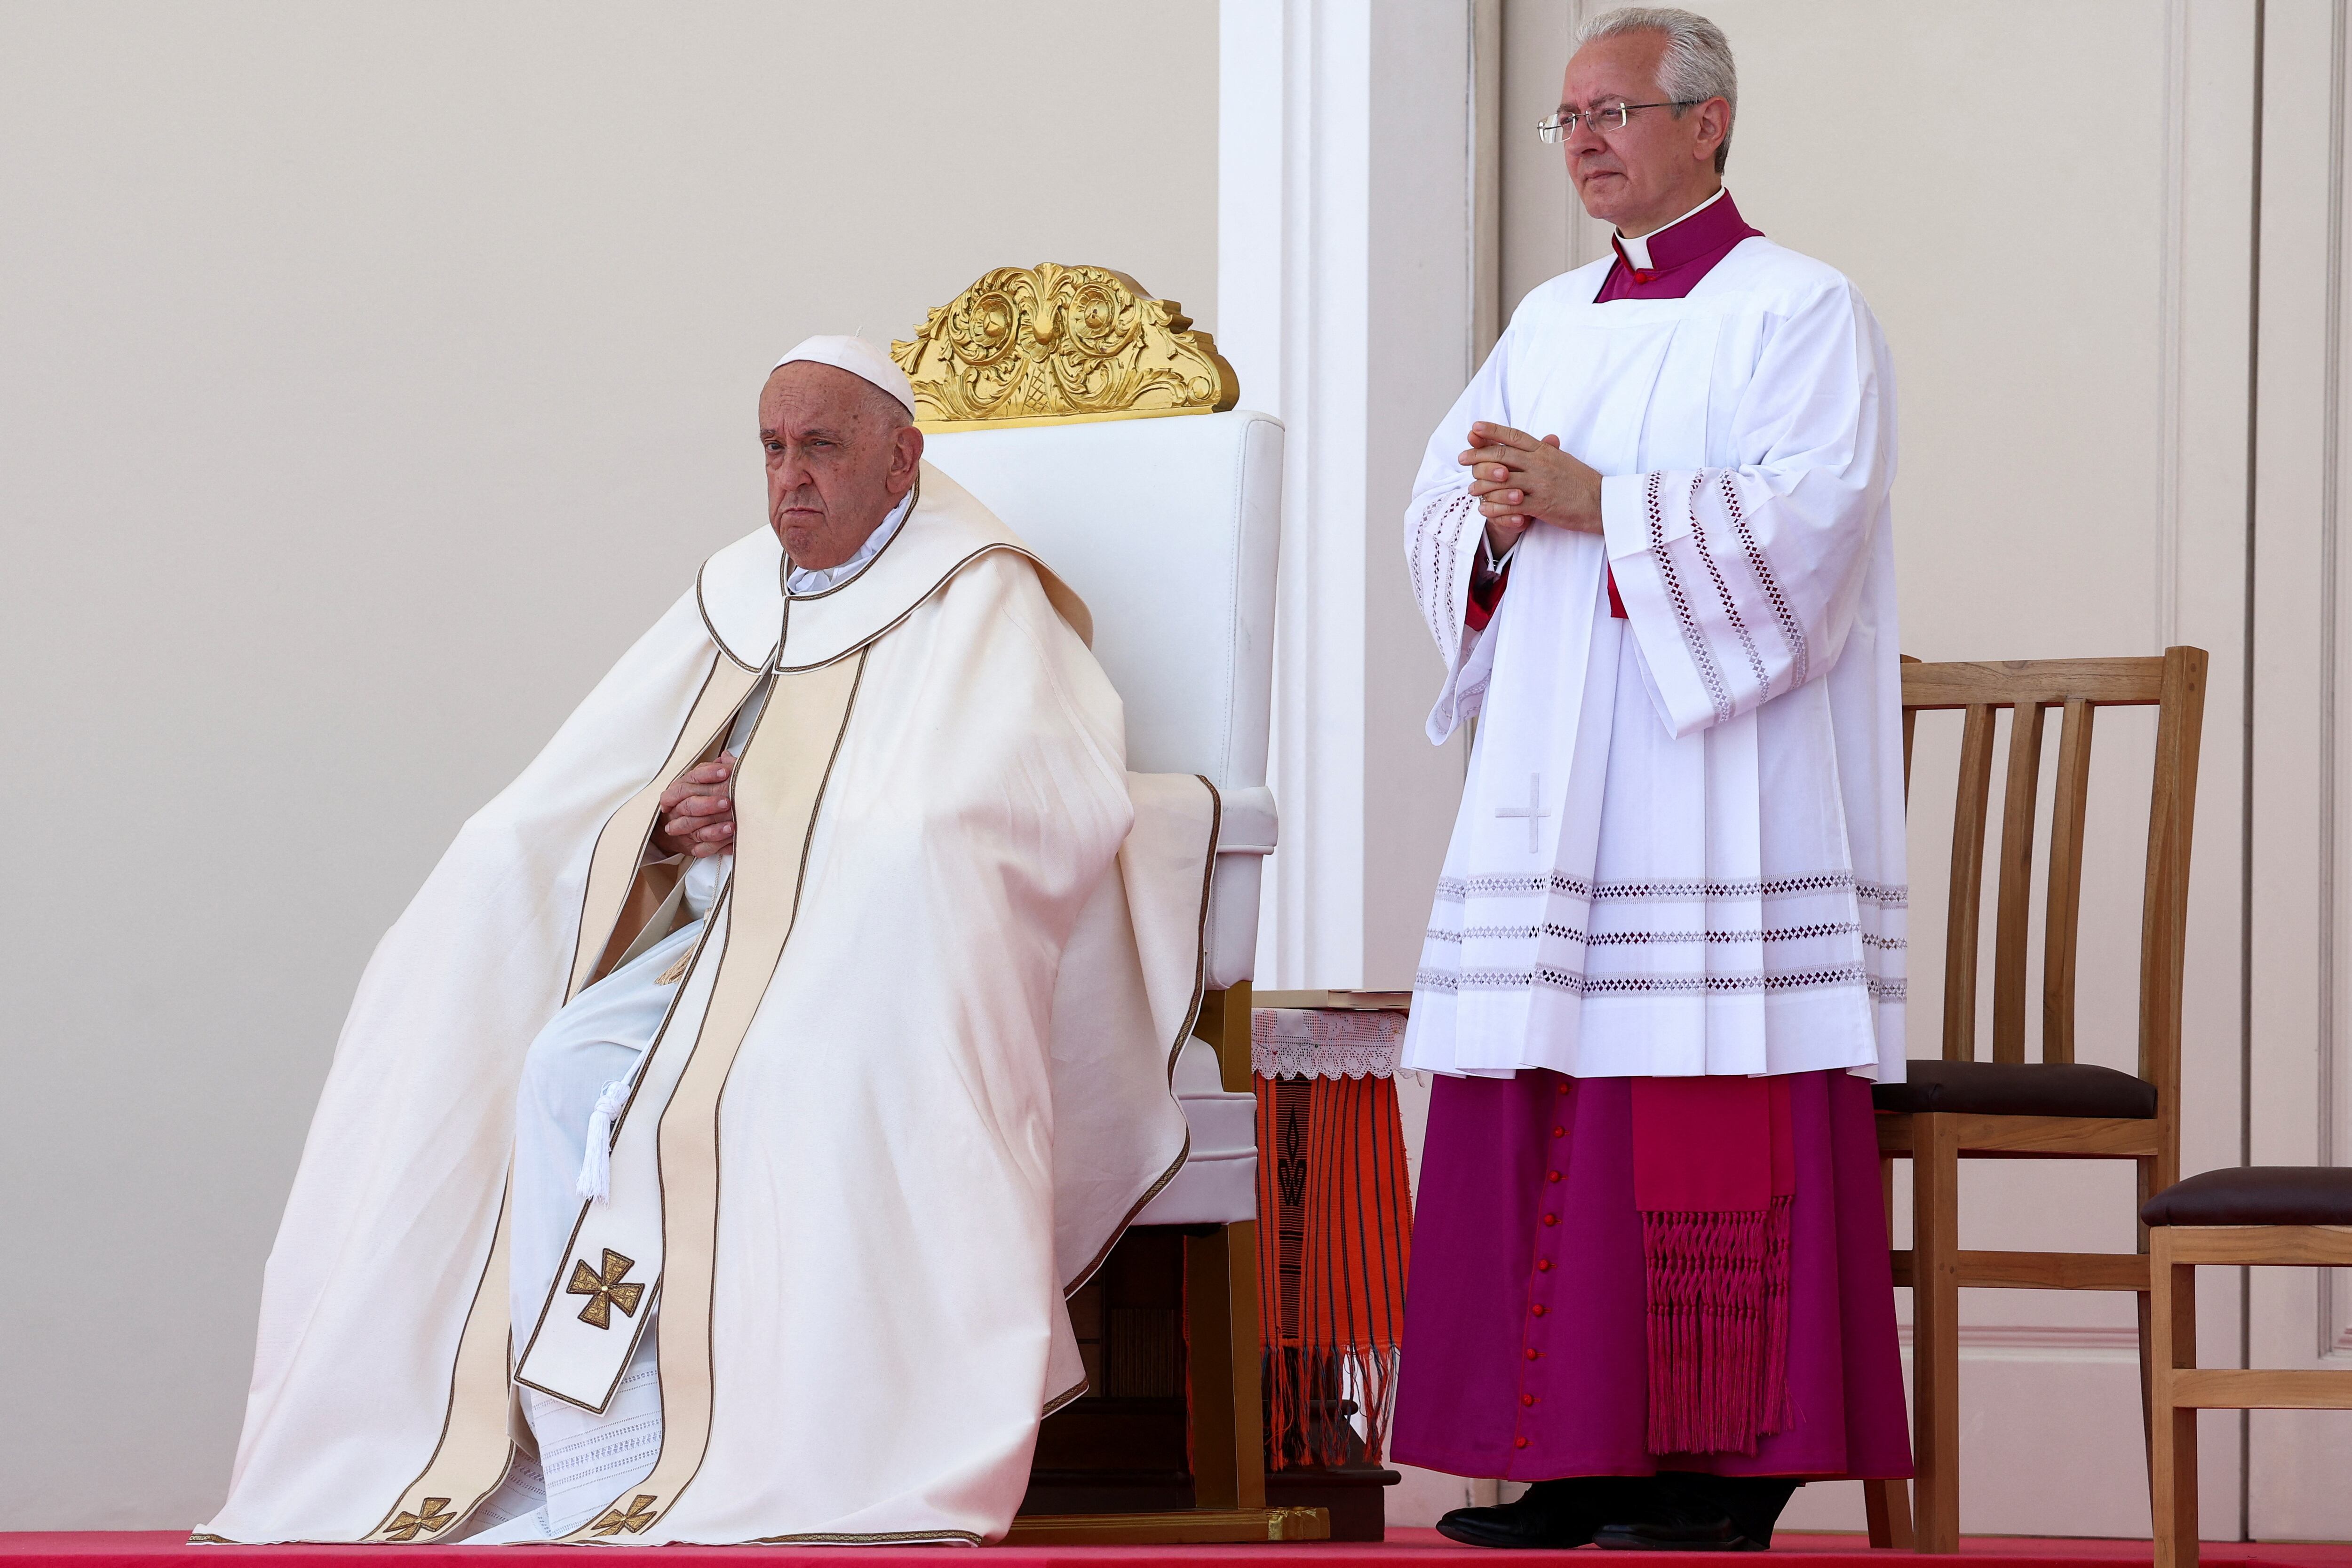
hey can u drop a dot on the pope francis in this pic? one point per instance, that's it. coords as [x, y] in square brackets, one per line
[713, 1141]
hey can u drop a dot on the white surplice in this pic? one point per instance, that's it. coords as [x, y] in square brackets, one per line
[1680, 844]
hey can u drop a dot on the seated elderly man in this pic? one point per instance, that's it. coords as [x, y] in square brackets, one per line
[822, 902]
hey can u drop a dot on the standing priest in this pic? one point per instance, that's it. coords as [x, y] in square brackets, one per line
[1665, 961]
[712, 1141]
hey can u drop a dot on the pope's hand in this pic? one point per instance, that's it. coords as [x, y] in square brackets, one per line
[1519, 480]
[698, 814]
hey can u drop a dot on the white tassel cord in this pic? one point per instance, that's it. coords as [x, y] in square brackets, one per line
[596, 1160]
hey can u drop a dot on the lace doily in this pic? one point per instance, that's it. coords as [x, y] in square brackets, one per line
[1325, 1042]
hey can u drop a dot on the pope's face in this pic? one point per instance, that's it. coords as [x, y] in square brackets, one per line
[1657, 167]
[839, 458]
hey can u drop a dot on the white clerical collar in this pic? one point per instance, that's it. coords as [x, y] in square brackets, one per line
[816, 579]
[1637, 250]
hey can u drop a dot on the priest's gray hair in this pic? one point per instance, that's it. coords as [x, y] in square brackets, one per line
[1697, 65]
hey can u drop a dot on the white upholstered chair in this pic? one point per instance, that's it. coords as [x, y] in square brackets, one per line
[1168, 528]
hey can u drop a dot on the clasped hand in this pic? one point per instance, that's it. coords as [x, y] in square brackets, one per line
[1518, 480]
[698, 812]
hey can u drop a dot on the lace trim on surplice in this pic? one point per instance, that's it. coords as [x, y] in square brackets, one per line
[1813, 943]
[1432, 554]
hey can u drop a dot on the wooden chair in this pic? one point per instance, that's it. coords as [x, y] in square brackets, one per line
[1960, 1108]
[2277, 1216]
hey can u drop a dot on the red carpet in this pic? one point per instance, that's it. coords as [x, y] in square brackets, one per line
[1403, 1549]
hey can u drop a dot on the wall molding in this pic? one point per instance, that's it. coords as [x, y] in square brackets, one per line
[1293, 114]
[2334, 1330]
[2042, 1342]
[2172, 242]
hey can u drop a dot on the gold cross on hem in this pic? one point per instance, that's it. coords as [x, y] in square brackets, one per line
[604, 1291]
[637, 1520]
[432, 1522]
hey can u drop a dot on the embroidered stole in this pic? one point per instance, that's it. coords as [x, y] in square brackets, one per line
[654, 1237]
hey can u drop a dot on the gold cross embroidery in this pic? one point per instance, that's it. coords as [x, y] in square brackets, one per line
[432, 1522]
[604, 1292]
[636, 1521]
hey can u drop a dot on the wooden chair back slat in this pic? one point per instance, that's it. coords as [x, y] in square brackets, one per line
[2061, 927]
[2012, 913]
[1968, 885]
[2164, 908]
[1910, 722]
[2175, 684]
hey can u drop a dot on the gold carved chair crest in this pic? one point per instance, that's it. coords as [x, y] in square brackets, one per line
[1056, 345]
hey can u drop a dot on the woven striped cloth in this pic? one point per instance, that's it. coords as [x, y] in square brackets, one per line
[1335, 1231]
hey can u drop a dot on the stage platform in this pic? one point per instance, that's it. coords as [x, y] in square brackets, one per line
[1402, 1549]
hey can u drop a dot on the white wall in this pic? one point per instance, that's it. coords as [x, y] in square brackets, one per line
[1346, 275]
[369, 377]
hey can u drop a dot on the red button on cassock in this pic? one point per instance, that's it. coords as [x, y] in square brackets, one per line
[1538, 1308]
[1563, 1088]
[1533, 1353]
[1543, 1264]
[1551, 1220]
[1551, 1176]
[1559, 1132]
[1518, 1442]
[1527, 1398]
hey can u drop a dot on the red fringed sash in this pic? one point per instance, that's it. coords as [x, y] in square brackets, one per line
[1335, 1227]
[1713, 1176]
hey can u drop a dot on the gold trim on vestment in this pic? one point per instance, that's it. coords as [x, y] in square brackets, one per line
[620, 1119]
[845, 1537]
[477, 1380]
[1176, 1048]
[1069, 1396]
[1083, 623]
[780, 791]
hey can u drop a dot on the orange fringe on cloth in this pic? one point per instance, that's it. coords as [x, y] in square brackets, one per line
[1335, 1237]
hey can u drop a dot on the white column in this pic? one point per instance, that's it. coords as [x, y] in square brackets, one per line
[1345, 251]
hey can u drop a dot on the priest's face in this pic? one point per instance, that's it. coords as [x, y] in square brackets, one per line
[840, 454]
[1644, 175]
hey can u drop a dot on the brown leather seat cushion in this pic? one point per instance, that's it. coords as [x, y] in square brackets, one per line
[2256, 1194]
[2018, 1088]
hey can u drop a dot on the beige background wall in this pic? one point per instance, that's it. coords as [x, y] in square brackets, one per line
[369, 377]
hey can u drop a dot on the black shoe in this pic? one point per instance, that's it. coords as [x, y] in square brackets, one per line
[1696, 1531]
[1754, 1502]
[1696, 1512]
[1553, 1515]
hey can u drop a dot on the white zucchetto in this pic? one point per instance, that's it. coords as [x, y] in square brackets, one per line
[860, 359]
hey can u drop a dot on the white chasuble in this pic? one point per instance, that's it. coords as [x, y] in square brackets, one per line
[1680, 845]
[913, 1083]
